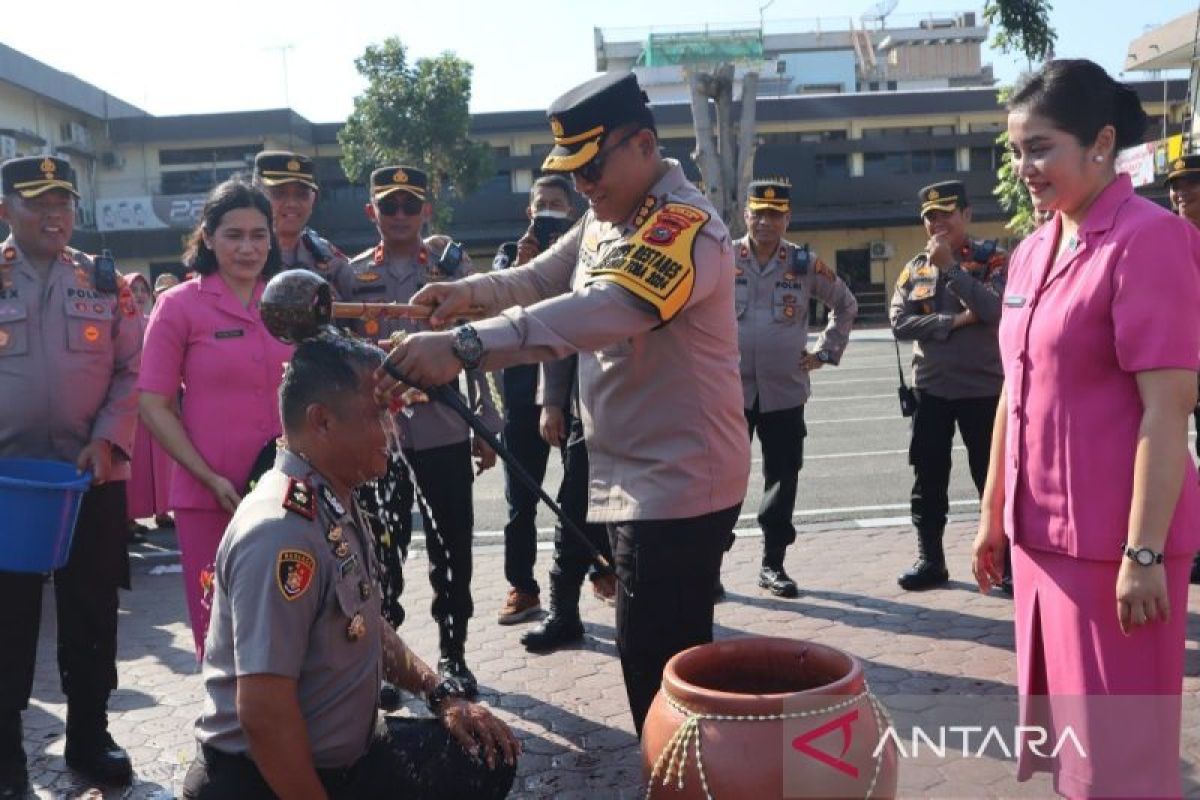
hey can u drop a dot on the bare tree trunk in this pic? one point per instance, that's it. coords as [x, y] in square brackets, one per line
[705, 154]
[747, 146]
[726, 143]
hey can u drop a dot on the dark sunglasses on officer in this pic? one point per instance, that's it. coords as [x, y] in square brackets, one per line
[410, 204]
[593, 171]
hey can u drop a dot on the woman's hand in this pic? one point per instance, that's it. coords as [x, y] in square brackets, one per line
[1141, 595]
[987, 554]
[222, 489]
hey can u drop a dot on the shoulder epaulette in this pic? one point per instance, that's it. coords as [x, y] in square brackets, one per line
[299, 499]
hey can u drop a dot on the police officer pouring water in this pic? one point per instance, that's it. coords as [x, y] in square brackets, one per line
[947, 303]
[297, 645]
[289, 180]
[70, 342]
[774, 281]
[642, 288]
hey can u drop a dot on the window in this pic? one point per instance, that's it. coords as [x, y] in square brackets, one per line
[833, 165]
[800, 137]
[986, 127]
[912, 130]
[196, 181]
[878, 164]
[914, 162]
[986, 159]
[243, 153]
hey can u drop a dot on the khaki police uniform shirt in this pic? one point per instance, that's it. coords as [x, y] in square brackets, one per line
[295, 596]
[329, 262]
[947, 362]
[661, 404]
[69, 358]
[772, 308]
[375, 277]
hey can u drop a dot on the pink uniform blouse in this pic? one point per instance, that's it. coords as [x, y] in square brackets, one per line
[202, 338]
[1073, 334]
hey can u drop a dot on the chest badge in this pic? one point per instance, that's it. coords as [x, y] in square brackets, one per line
[91, 334]
[357, 627]
[367, 277]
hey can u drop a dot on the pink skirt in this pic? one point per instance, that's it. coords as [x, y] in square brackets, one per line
[1109, 704]
[149, 484]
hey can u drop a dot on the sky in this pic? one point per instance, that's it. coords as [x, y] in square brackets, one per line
[229, 55]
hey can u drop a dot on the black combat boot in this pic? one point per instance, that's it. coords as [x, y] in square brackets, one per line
[563, 625]
[453, 663]
[1195, 577]
[14, 777]
[90, 749]
[930, 568]
[771, 576]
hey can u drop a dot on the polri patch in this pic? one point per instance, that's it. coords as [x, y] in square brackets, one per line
[294, 571]
[299, 498]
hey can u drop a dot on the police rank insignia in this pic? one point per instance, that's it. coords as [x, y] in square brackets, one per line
[357, 627]
[656, 262]
[294, 571]
[332, 502]
[299, 498]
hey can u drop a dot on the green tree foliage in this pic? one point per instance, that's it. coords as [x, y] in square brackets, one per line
[415, 114]
[1022, 25]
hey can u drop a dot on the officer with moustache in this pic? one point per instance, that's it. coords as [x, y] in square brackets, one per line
[774, 281]
[947, 303]
[642, 289]
[437, 443]
[70, 345]
[289, 180]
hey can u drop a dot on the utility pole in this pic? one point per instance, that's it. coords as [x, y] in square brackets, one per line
[287, 102]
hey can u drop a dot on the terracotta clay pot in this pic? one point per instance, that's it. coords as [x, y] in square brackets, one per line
[771, 718]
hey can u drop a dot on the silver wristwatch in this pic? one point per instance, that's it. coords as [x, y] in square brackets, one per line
[467, 347]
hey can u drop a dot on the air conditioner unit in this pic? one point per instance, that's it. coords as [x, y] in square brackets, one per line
[8, 147]
[881, 251]
[112, 160]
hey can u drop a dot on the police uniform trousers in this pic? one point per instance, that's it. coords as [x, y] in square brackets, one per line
[407, 758]
[930, 452]
[669, 568]
[85, 592]
[781, 434]
[572, 559]
[523, 439]
[443, 477]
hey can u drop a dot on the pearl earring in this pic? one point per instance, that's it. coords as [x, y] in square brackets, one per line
[1097, 159]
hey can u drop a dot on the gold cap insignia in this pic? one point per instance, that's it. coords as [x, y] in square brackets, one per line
[293, 166]
[1179, 163]
[400, 176]
[933, 194]
[769, 194]
[48, 168]
[556, 126]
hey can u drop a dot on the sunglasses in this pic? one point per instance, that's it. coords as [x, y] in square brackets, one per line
[410, 204]
[593, 171]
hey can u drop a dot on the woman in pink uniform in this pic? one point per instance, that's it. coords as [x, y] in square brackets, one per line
[147, 491]
[1090, 473]
[206, 336]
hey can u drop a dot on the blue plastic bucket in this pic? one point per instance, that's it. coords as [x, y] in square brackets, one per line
[39, 503]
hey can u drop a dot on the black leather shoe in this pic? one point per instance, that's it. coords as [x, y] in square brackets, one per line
[14, 782]
[718, 591]
[455, 667]
[554, 631]
[777, 582]
[97, 757]
[924, 575]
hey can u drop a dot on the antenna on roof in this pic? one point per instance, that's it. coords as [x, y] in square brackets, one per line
[879, 12]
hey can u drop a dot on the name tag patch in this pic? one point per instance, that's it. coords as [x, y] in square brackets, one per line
[231, 334]
[1014, 300]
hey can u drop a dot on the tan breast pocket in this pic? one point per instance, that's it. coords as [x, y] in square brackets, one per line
[89, 325]
[14, 329]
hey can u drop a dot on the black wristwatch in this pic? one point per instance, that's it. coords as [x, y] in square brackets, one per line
[467, 347]
[1142, 556]
[450, 687]
[824, 357]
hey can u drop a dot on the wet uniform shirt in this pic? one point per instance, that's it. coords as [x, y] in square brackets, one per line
[648, 304]
[771, 301]
[953, 363]
[295, 596]
[69, 359]
[375, 277]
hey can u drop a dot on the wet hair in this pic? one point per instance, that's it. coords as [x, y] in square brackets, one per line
[324, 370]
[237, 192]
[1080, 98]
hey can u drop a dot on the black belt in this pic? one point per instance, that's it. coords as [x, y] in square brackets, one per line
[333, 778]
